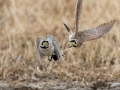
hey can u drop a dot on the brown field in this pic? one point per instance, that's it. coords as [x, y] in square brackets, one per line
[21, 21]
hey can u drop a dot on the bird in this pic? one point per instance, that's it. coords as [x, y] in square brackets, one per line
[48, 47]
[77, 38]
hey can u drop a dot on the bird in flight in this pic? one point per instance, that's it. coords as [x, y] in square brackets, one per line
[48, 47]
[77, 38]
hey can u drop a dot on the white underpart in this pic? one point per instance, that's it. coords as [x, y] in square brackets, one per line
[70, 36]
[48, 51]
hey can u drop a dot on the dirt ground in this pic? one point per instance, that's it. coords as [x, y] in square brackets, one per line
[60, 85]
[50, 81]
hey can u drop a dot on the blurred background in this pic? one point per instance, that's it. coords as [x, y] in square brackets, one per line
[21, 21]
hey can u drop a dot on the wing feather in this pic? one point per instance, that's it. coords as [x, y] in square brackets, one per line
[38, 41]
[56, 47]
[78, 13]
[92, 34]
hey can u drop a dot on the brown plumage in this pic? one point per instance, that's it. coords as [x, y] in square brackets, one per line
[76, 38]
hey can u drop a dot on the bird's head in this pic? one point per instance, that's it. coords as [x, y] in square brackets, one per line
[44, 44]
[72, 43]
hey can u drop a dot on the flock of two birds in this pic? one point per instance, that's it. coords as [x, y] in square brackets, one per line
[49, 47]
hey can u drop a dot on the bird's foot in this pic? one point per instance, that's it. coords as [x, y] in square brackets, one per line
[50, 59]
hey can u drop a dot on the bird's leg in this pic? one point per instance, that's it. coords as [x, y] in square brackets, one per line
[50, 59]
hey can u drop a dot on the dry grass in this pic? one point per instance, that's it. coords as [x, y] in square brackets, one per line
[21, 21]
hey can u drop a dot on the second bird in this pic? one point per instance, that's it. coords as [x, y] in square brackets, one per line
[77, 38]
[48, 47]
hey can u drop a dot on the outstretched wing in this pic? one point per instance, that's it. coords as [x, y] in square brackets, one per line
[56, 47]
[92, 34]
[38, 41]
[78, 13]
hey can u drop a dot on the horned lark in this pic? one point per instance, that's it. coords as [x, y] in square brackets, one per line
[48, 47]
[77, 38]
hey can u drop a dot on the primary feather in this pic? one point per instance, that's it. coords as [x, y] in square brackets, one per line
[95, 33]
[78, 13]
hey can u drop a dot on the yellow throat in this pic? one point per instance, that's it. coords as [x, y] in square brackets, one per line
[45, 44]
[72, 43]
